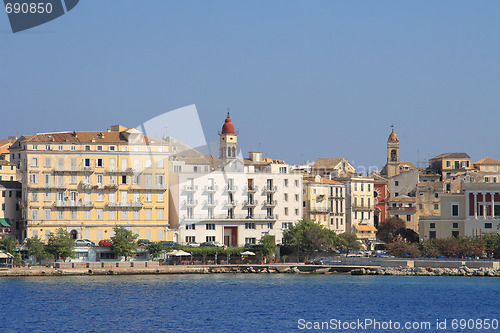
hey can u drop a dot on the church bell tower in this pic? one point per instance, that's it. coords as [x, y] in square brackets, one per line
[392, 155]
[228, 140]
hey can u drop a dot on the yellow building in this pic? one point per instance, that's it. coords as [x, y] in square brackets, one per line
[89, 182]
[324, 202]
[8, 171]
[449, 163]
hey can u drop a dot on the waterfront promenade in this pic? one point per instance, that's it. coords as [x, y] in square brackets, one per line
[355, 266]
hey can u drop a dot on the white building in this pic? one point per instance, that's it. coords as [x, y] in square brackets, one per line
[232, 200]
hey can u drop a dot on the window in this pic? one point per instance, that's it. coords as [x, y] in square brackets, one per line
[177, 168]
[99, 197]
[285, 211]
[454, 209]
[86, 214]
[362, 187]
[396, 183]
[488, 225]
[432, 225]
[210, 238]
[87, 147]
[148, 213]
[123, 215]
[112, 180]
[99, 148]
[419, 206]
[455, 225]
[48, 162]
[296, 212]
[48, 196]
[86, 179]
[160, 179]
[159, 197]
[210, 226]
[249, 225]
[34, 214]
[432, 234]
[35, 147]
[296, 198]
[99, 213]
[436, 206]
[191, 226]
[124, 179]
[408, 218]
[396, 194]
[73, 178]
[73, 214]
[86, 162]
[285, 183]
[148, 197]
[282, 170]
[448, 164]
[285, 197]
[250, 241]
[190, 239]
[136, 214]
[159, 164]
[34, 161]
[112, 148]
[270, 225]
[455, 233]
[159, 214]
[99, 163]
[296, 183]
[73, 147]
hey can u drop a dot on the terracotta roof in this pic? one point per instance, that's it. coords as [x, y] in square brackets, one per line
[326, 162]
[365, 227]
[451, 155]
[7, 142]
[393, 137]
[90, 137]
[411, 165]
[331, 181]
[228, 127]
[487, 161]
[5, 162]
[403, 198]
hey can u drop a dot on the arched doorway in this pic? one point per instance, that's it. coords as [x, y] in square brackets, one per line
[73, 234]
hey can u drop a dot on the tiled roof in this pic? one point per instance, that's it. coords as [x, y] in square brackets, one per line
[326, 162]
[451, 155]
[487, 161]
[411, 165]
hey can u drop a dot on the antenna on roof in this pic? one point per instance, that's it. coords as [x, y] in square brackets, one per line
[392, 127]
[259, 148]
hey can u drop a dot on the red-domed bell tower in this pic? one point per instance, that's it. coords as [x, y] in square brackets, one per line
[228, 140]
[392, 154]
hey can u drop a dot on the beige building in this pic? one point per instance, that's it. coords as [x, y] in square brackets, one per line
[405, 208]
[449, 163]
[88, 182]
[324, 202]
[8, 171]
[474, 212]
[332, 167]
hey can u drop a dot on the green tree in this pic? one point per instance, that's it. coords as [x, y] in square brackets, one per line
[266, 246]
[36, 248]
[400, 248]
[348, 241]
[492, 245]
[390, 229]
[307, 237]
[60, 244]
[9, 244]
[123, 242]
[155, 249]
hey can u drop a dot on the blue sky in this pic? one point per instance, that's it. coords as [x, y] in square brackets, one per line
[306, 79]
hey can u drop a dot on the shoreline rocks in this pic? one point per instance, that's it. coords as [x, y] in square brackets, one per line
[429, 271]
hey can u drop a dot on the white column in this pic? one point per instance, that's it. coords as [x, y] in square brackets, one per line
[484, 205]
[475, 206]
[493, 205]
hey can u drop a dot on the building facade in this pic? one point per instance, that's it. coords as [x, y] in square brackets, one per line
[10, 215]
[324, 202]
[89, 182]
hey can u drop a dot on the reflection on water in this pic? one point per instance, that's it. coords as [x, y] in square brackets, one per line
[234, 302]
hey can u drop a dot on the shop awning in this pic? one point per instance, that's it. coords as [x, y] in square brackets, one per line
[365, 227]
[4, 222]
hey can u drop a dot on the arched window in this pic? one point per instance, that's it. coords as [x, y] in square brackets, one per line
[73, 234]
[228, 151]
[393, 155]
[234, 151]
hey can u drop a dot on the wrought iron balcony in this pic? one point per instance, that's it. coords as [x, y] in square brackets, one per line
[125, 204]
[212, 203]
[268, 188]
[212, 188]
[251, 203]
[73, 203]
[270, 203]
[190, 203]
[190, 188]
[251, 189]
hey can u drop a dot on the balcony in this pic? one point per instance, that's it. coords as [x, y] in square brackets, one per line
[319, 210]
[403, 209]
[270, 203]
[227, 217]
[149, 186]
[73, 169]
[231, 203]
[268, 188]
[92, 186]
[190, 203]
[190, 188]
[212, 203]
[252, 203]
[116, 171]
[251, 189]
[212, 188]
[73, 204]
[126, 204]
[48, 186]
[231, 188]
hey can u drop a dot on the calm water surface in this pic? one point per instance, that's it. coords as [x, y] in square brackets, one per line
[238, 303]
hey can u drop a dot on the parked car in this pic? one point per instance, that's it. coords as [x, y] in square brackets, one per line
[169, 243]
[212, 244]
[143, 242]
[193, 244]
[84, 242]
[105, 242]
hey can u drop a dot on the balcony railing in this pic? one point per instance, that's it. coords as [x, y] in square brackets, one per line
[319, 210]
[48, 186]
[190, 203]
[117, 171]
[74, 169]
[231, 203]
[251, 189]
[231, 188]
[73, 203]
[362, 207]
[212, 188]
[251, 203]
[268, 188]
[149, 186]
[270, 203]
[231, 217]
[404, 209]
[212, 203]
[126, 204]
[190, 188]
